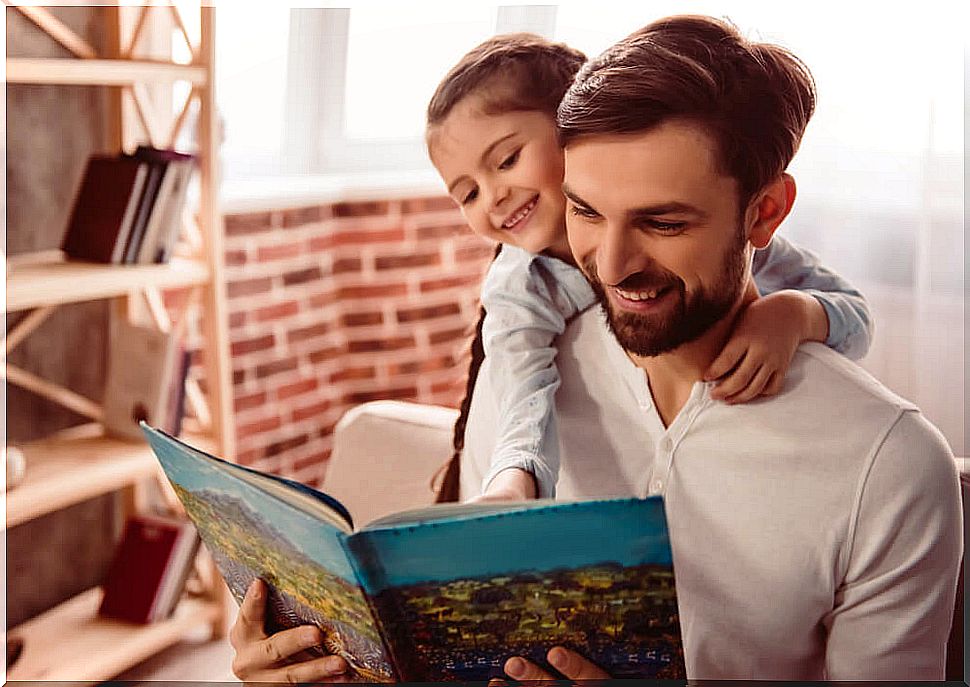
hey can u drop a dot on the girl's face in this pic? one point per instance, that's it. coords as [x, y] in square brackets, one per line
[505, 172]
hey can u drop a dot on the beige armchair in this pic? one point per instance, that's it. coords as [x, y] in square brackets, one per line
[385, 454]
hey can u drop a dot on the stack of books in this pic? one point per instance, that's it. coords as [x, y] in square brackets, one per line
[128, 208]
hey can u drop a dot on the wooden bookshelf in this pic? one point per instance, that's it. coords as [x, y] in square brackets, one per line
[44, 279]
[71, 643]
[72, 72]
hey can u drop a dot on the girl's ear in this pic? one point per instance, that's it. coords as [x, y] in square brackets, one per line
[770, 208]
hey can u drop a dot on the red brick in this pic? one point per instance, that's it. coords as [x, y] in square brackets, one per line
[296, 388]
[365, 209]
[277, 311]
[322, 243]
[345, 265]
[322, 300]
[419, 366]
[449, 335]
[450, 282]
[428, 313]
[302, 276]
[442, 231]
[372, 291]
[389, 344]
[449, 385]
[325, 354]
[319, 458]
[297, 217]
[313, 410]
[278, 251]
[250, 223]
[353, 373]
[278, 447]
[239, 377]
[361, 319]
[393, 262]
[241, 403]
[276, 367]
[358, 397]
[432, 204]
[304, 333]
[359, 236]
[249, 287]
[235, 257]
[237, 319]
[474, 252]
[260, 343]
[249, 457]
[267, 424]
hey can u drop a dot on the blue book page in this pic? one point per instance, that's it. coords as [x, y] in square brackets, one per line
[255, 534]
[460, 594]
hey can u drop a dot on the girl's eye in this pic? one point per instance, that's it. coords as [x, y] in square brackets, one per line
[510, 160]
[470, 196]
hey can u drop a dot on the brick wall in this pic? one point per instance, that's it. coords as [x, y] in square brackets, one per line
[334, 305]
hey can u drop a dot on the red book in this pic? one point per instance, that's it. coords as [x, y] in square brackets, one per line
[147, 558]
[104, 209]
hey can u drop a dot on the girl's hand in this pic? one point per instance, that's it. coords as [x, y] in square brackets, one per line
[512, 484]
[756, 358]
[262, 658]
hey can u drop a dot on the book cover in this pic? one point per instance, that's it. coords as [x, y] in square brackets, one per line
[442, 593]
[142, 561]
[143, 370]
[172, 220]
[104, 209]
[153, 182]
[165, 219]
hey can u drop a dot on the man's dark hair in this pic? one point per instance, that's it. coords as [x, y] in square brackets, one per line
[754, 99]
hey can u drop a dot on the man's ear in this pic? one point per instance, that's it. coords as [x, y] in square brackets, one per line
[770, 207]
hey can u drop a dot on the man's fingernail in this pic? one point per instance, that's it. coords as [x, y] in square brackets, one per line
[256, 589]
[557, 657]
[336, 665]
[515, 667]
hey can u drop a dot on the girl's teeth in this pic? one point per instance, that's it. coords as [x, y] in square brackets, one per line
[517, 217]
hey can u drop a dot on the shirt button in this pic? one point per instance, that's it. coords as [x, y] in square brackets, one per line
[656, 487]
[666, 445]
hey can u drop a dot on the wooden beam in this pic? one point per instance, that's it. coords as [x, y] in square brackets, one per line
[145, 111]
[73, 72]
[136, 34]
[180, 120]
[23, 328]
[177, 16]
[57, 30]
[55, 392]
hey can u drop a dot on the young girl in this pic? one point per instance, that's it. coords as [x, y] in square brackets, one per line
[491, 134]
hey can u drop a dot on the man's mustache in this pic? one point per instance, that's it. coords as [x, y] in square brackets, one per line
[639, 281]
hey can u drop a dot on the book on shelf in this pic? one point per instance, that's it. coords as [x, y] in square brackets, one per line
[164, 220]
[447, 592]
[128, 208]
[104, 209]
[145, 378]
[150, 567]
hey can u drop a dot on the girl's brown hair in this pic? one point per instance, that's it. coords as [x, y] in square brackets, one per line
[510, 73]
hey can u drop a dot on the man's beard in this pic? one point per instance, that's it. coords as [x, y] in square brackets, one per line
[650, 335]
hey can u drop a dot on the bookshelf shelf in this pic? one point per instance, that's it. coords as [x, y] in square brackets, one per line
[78, 465]
[71, 643]
[48, 279]
[75, 72]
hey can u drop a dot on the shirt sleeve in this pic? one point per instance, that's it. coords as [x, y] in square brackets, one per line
[528, 300]
[783, 265]
[893, 610]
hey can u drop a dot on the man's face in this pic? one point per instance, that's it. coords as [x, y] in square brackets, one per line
[657, 230]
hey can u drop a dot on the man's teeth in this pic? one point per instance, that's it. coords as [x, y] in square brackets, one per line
[520, 214]
[638, 295]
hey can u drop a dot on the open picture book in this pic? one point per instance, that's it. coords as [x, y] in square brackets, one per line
[447, 592]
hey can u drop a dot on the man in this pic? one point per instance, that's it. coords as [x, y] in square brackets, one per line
[816, 534]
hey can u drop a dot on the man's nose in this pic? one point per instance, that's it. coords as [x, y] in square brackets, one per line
[619, 255]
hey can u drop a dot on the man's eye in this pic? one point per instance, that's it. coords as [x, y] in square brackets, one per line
[470, 196]
[666, 227]
[579, 211]
[510, 160]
